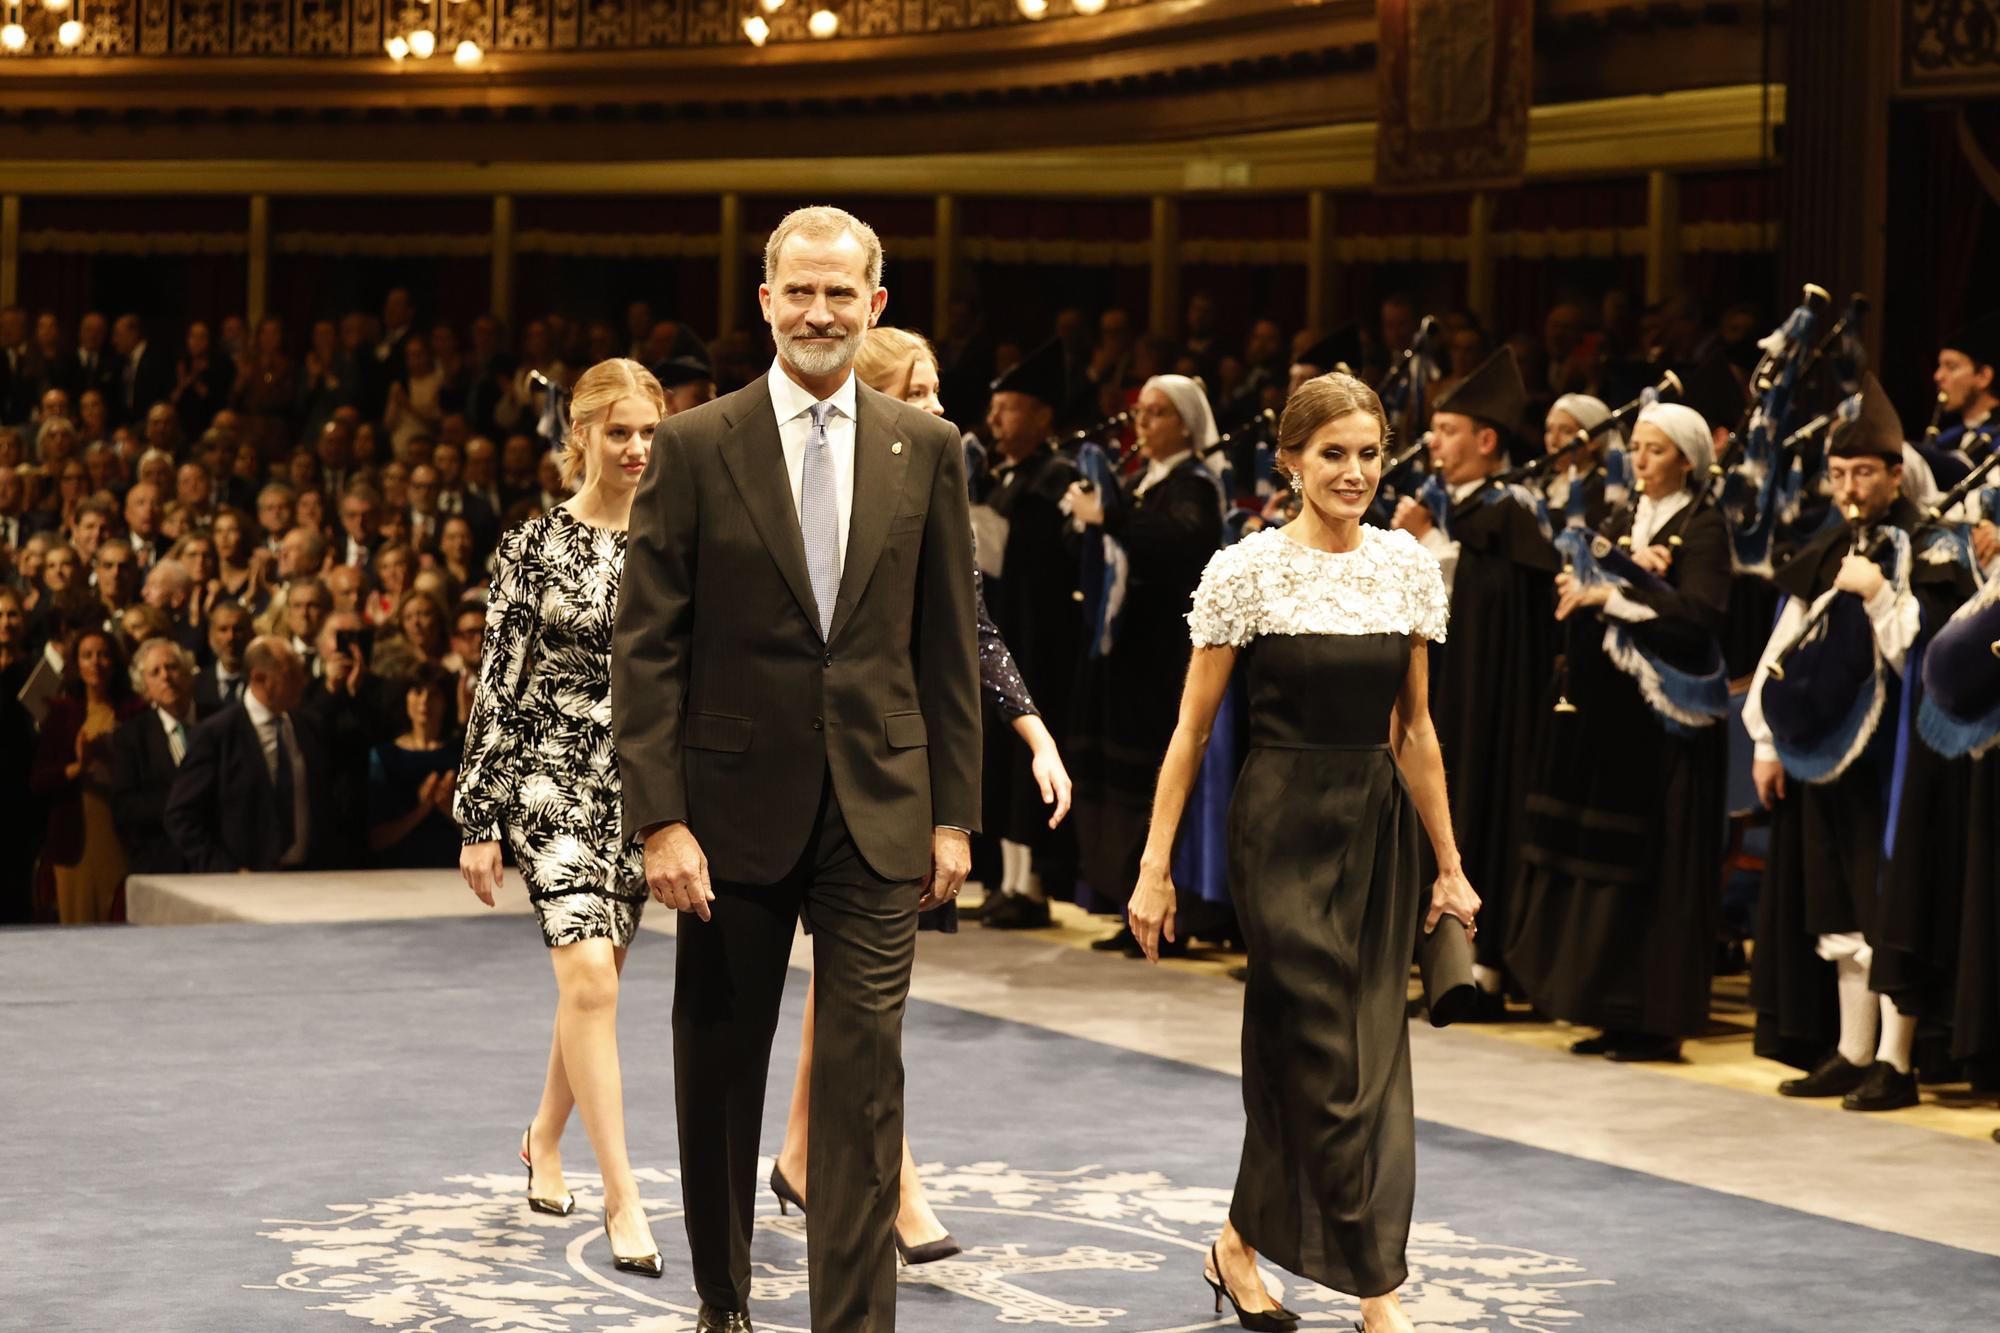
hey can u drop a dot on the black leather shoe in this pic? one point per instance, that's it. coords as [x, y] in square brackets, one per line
[1835, 1077]
[1638, 1048]
[1601, 1044]
[712, 1320]
[1015, 911]
[1123, 942]
[1882, 1090]
[1488, 1006]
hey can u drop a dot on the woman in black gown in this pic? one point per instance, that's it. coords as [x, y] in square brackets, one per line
[1330, 619]
[1616, 910]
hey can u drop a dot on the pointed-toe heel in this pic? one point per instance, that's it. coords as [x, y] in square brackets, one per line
[788, 1198]
[645, 1265]
[1279, 1320]
[562, 1207]
[929, 1252]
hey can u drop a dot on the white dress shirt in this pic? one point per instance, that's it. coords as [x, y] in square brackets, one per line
[269, 725]
[176, 734]
[793, 407]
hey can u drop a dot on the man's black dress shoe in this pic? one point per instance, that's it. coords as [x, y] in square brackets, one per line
[1835, 1077]
[1123, 942]
[1601, 1044]
[712, 1320]
[1488, 1006]
[1882, 1090]
[1639, 1048]
[1015, 911]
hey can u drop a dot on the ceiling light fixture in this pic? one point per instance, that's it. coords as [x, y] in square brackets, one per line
[467, 54]
[397, 47]
[757, 30]
[423, 43]
[823, 24]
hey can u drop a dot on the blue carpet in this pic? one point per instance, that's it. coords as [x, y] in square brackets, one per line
[257, 1128]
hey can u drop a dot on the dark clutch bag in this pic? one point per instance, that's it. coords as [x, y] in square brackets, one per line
[1444, 959]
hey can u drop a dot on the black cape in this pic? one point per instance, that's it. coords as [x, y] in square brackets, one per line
[1827, 872]
[1486, 690]
[1034, 604]
[1614, 918]
[1128, 700]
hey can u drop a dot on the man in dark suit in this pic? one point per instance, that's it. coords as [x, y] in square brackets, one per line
[221, 682]
[146, 753]
[17, 521]
[254, 791]
[96, 364]
[795, 688]
[145, 373]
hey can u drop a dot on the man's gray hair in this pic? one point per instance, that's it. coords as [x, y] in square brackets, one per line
[152, 648]
[823, 222]
[170, 572]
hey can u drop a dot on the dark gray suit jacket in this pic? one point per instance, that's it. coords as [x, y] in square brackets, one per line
[729, 709]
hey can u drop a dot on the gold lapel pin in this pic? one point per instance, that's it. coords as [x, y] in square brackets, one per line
[896, 448]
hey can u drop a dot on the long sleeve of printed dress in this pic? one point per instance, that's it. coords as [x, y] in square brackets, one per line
[999, 679]
[486, 772]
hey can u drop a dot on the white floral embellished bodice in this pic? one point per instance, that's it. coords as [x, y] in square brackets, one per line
[1269, 584]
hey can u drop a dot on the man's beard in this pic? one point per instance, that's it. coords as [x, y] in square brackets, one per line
[811, 359]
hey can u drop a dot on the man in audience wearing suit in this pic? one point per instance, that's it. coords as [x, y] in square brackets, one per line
[360, 530]
[145, 374]
[253, 792]
[456, 500]
[17, 521]
[96, 365]
[221, 682]
[146, 753]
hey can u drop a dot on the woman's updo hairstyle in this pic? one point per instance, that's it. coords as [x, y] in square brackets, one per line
[1327, 398]
[884, 352]
[591, 399]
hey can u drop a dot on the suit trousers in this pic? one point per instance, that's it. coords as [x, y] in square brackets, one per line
[729, 982]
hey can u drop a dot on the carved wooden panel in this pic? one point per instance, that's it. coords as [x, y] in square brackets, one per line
[359, 27]
[1951, 44]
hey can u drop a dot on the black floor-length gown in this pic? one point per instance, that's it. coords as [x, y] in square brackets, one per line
[1324, 872]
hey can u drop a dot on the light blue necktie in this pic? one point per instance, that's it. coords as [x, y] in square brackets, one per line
[819, 518]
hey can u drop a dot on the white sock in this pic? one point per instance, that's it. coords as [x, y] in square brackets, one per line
[1858, 1011]
[1488, 978]
[1014, 864]
[1899, 1034]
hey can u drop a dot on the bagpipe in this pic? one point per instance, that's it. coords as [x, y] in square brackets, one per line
[1961, 675]
[1686, 690]
[1763, 474]
[1402, 393]
[1828, 685]
[553, 426]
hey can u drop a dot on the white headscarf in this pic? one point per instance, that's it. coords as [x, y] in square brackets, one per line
[1192, 404]
[1689, 433]
[1587, 411]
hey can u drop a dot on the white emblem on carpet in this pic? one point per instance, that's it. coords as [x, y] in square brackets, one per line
[1088, 1248]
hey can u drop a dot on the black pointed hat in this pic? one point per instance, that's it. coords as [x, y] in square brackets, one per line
[1712, 388]
[1494, 394]
[1043, 373]
[1339, 350]
[1876, 433]
[679, 370]
[1979, 340]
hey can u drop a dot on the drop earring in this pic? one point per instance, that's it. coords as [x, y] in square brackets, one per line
[1298, 485]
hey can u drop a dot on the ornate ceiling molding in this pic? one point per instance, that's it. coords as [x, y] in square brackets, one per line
[1683, 131]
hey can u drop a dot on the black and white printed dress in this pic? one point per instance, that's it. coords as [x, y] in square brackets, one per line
[539, 765]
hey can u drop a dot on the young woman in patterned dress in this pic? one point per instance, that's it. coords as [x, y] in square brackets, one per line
[539, 768]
